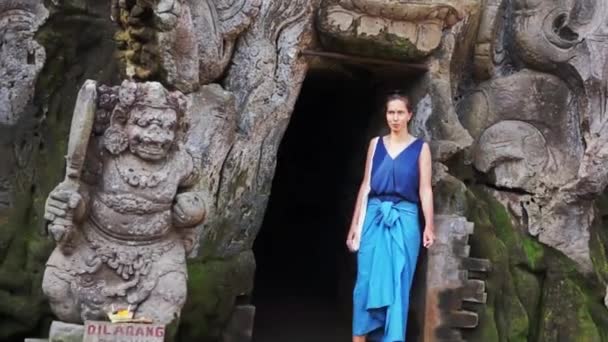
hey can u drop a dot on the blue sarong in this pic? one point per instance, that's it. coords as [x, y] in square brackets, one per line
[390, 243]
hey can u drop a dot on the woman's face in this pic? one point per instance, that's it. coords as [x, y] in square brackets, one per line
[397, 115]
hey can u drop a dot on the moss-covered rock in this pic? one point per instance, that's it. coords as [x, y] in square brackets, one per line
[385, 45]
[213, 289]
[504, 315]
[535, 293]
[598, 244]
[565, 313]
[77, 39]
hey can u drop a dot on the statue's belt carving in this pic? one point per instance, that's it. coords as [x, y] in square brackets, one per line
[130, 228]
[126, 239]
[131, 204]
[126, 259]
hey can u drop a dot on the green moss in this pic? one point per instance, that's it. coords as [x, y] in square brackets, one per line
[78, 44]
[487, 329]
[450, 196]
[599, 315]
[529, 289]
[535, 293]
[213, 287]
[523, 248]
[566, 316]
[504, 312]
[598, 248]
[598, 243]
[496, 239]
[382, 45]
[602, 204]
[535, 253]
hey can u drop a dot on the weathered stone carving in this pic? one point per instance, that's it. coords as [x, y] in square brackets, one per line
[489, 46]
[529, 145]
[186, 42]
[397, 29]
[411, 30]
[263, 82]
[21, 57]
[540, 133]
[124, 225]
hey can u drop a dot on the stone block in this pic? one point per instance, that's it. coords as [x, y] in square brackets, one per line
[98, 331]
[240, 326]
[66, 332]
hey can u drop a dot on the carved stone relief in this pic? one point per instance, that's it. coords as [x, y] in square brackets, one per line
[555, 151]
[185, 42]
[397, 29]
[21, 57]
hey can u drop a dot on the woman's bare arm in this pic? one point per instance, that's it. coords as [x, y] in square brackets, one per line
[426, 194]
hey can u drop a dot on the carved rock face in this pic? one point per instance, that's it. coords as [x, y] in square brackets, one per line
[188, 43]
[542, 128]
[21, 57]
[526, 137]
[387, 28]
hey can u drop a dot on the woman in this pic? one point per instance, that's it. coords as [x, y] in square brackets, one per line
[386, 229]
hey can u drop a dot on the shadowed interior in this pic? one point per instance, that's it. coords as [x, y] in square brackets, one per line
[305, 275]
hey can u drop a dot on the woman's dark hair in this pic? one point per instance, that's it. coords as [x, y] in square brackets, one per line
[396, 95]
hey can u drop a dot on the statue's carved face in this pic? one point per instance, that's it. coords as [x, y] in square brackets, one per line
[151, 132]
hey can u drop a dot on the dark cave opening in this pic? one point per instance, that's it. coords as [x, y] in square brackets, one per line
[305, 274]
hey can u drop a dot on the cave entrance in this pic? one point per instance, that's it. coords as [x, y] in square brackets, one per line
[304, 277]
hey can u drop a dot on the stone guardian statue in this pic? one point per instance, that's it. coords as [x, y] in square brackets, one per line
[124, 218]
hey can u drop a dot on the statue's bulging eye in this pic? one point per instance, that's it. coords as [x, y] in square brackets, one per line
[142, 123]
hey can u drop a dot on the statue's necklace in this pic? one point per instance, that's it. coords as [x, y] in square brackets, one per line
[140, 176]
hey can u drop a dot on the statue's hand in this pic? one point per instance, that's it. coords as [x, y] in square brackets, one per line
[188, 210]
[61, 205]
[62, 201]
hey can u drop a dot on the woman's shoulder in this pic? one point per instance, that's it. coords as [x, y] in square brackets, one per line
[374, 141]
[423, 147]
[421, 141]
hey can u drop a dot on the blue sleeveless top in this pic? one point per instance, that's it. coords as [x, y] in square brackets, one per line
[396, 179]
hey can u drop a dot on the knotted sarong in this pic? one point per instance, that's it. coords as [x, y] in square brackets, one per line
[390, 243]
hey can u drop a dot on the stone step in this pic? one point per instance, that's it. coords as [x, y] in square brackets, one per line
[476, 264]
[463, 319]
[66, 332]
[474, 291]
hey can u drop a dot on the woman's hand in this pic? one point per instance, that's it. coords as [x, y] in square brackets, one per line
[428, 237]
[352, 240]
